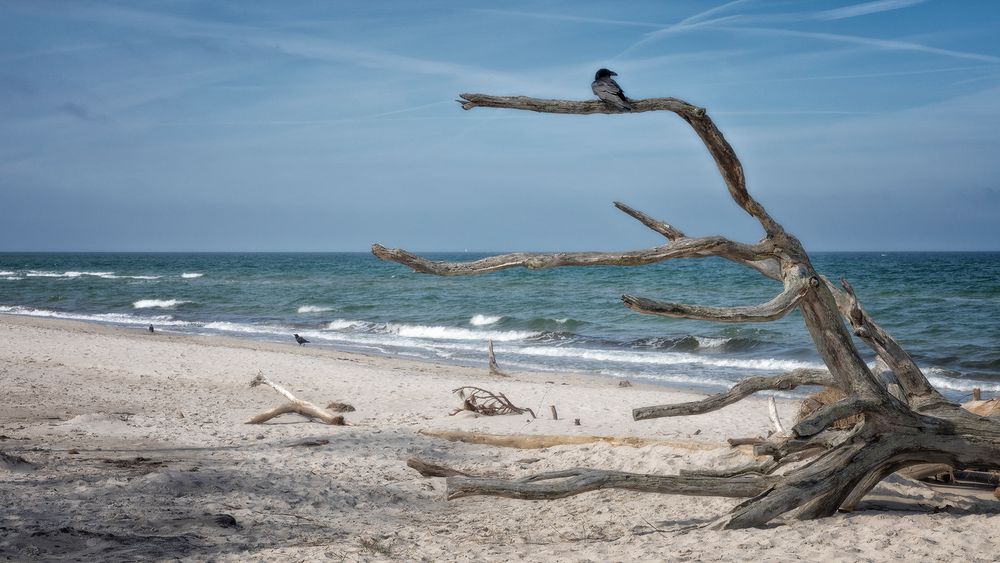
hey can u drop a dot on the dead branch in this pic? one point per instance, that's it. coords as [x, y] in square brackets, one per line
[905, 420]
[486, 403]
[428, 469]
[538, 441]
[294, 405]
[741, 390]
[770, 311]
[561, 484]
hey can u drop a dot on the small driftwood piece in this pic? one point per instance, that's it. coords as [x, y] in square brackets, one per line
[295, 405]
[481, 401]
[428, 469]
[494, 368]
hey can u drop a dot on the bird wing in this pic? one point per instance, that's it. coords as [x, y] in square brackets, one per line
[609, 91]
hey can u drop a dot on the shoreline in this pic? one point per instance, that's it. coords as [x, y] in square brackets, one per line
[138, 450]
[329, 350]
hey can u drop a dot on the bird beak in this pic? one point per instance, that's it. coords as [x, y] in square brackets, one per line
[613, 73]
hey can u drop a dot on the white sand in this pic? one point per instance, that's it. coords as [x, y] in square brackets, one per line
[75, 398]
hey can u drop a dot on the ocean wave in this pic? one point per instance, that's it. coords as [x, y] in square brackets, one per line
[157, 303]
[116, 318]
[191, 275]
[314, 309]
[945, 379]
[483, 320]
[665, 358]
[246, 328]
[691, 343]
[344, 324]
[453, 333]
[13, 278]
[6, 273]
[72, 274]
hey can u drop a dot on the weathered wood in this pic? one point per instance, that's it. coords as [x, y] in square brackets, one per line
[494, 368]
[773, 310]
[905, 420]
[560, 484]
[537, 441]
[428, 469]
[294, 405]
[741, 390]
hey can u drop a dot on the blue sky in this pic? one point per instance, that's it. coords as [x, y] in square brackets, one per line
[326, 126]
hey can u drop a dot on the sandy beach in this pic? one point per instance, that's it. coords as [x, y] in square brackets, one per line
[137, 449]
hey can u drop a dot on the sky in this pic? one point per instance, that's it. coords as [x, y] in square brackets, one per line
[243, 125]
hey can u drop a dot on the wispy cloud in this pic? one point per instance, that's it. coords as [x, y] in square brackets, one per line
[887, 44]
[865, 9]
[568, 18]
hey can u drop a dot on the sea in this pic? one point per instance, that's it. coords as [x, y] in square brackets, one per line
[944, 308]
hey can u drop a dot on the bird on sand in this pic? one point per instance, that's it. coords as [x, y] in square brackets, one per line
[300, 340]
[609, 91]
[151, 328]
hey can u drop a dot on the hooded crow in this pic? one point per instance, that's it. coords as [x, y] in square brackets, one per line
[300, 340]
[609, 91]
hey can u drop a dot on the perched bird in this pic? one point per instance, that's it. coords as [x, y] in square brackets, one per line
[151, 328]
[609, 91]
[300, 340]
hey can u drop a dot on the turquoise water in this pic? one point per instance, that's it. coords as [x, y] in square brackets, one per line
[943, 307]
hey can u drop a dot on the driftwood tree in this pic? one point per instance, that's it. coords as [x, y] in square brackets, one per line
[816, 468]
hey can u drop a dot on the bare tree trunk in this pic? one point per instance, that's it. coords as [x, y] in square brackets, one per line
[904, 420]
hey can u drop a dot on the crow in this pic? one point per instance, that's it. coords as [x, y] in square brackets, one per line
[609, 91]
[300, 340]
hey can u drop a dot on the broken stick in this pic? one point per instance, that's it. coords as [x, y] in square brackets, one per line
[295, 405]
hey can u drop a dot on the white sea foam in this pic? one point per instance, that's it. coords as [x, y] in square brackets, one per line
[246, 328]
[344, 324]
[452, 333]
[157, 303]
[562, 321]
[6, 273]
[191, 275]
[72, 274]
[710, 342]
[938, 379]
[664, 358]
[483, 320]
[112, 276]
[314, 309]
[13, 278]
[116, 318]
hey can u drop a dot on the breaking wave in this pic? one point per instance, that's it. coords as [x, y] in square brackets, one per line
[157, 303]
[452, 333]
[116, 318]
[313, 309]
[483, 320]
[190, 275]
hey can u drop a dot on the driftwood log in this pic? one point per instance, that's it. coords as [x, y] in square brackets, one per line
[903, 420]
[294, 405]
